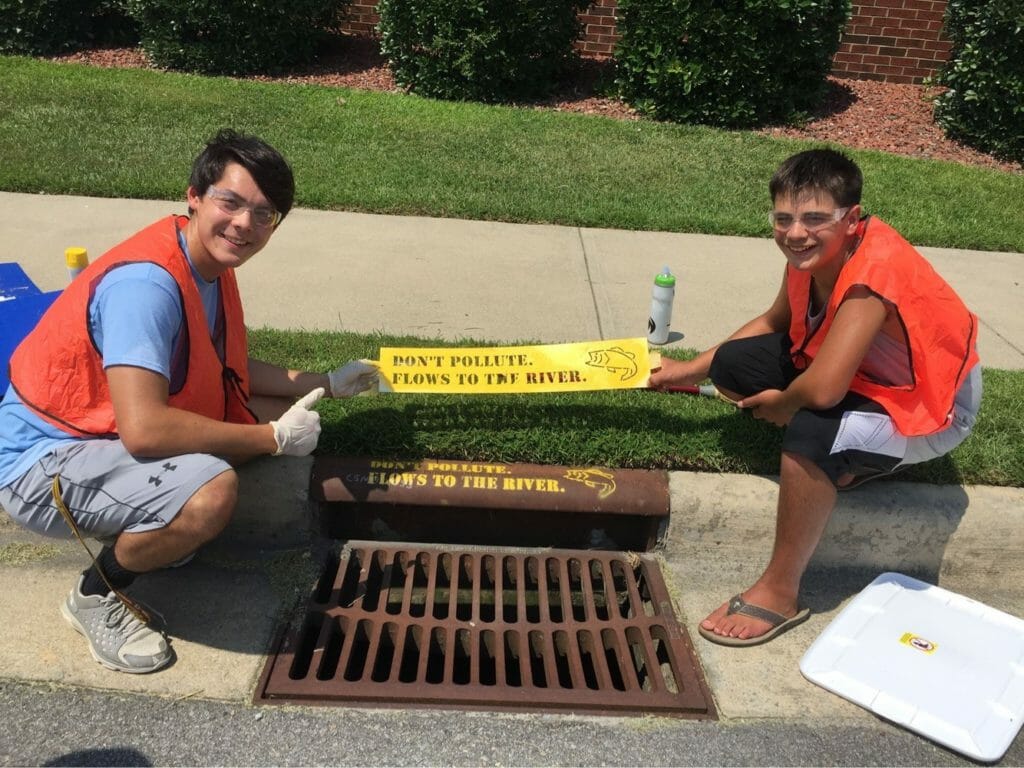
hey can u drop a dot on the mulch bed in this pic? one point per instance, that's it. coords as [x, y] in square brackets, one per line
[861, 114]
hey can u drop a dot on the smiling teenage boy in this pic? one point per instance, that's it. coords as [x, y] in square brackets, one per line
[867, 358]
[134, 396]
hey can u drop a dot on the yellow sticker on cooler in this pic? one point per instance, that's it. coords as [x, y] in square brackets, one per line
[918, 643]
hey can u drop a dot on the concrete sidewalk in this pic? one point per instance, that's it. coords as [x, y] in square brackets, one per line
[489, 280]
[502, 283]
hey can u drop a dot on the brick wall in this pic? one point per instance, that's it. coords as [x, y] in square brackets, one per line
[361, 17]
[899, 41]
[599, 35]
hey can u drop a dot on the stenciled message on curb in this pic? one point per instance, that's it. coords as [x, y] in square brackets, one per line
[589, 365]
[493, 485]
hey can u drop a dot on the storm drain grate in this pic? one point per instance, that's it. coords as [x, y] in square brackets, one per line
[507, 629]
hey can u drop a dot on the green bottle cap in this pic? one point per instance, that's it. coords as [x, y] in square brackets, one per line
[665, 279]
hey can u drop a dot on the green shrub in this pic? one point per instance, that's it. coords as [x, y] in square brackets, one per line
[479, 50]
[43, 27]
[984, 106]
[112, 24]
[232, 37]
[728, 63]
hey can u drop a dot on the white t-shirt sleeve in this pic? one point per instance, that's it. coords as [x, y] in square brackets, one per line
[135, 317]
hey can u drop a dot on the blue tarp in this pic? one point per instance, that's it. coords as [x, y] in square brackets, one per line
[14, 283]
[21, 306]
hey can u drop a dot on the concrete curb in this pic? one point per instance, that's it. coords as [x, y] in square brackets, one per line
[888, 524]
[950, 531]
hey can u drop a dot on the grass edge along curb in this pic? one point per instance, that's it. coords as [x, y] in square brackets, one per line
[628, 429]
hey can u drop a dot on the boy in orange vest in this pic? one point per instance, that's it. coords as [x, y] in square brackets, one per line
[867, 358]
[133, 398]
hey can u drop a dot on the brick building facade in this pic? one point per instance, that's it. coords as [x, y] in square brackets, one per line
[899, 41]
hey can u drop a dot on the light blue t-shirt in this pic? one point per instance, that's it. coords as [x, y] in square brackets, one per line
[136, 318]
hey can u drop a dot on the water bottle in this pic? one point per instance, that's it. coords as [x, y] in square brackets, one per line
[77, 259]
[661, 307]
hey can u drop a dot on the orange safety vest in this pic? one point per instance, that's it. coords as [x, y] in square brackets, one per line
[941, 332]
[57, 370]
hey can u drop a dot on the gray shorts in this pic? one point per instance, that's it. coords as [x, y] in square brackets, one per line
[106, 489]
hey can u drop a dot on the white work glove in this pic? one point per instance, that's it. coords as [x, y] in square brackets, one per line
[298, 429]
[353, 378]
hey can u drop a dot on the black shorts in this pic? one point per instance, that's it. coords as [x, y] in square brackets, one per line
[752, 365]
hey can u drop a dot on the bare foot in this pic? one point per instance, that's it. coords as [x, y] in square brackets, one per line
[737, 625]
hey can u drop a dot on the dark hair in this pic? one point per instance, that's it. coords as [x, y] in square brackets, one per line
[266, 165]
[818, 170]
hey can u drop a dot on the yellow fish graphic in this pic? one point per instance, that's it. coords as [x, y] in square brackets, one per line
[604, 482]
[614, 360]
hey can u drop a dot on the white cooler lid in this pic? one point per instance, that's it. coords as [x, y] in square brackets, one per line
[935, 662]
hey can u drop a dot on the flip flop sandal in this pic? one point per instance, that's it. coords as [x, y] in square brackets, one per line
[779, 623]
[859, 480]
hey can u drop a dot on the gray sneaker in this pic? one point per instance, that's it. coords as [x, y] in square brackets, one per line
[117, 639]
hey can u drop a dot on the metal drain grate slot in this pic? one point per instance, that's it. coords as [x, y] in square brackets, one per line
[540, 630]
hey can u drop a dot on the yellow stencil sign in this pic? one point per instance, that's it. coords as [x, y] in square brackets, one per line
[589, 365]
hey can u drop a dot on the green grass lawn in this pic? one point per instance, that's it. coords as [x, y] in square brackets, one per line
[632, 428]
[68, 128]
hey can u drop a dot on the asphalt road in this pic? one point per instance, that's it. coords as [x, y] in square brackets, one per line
[47, 725]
